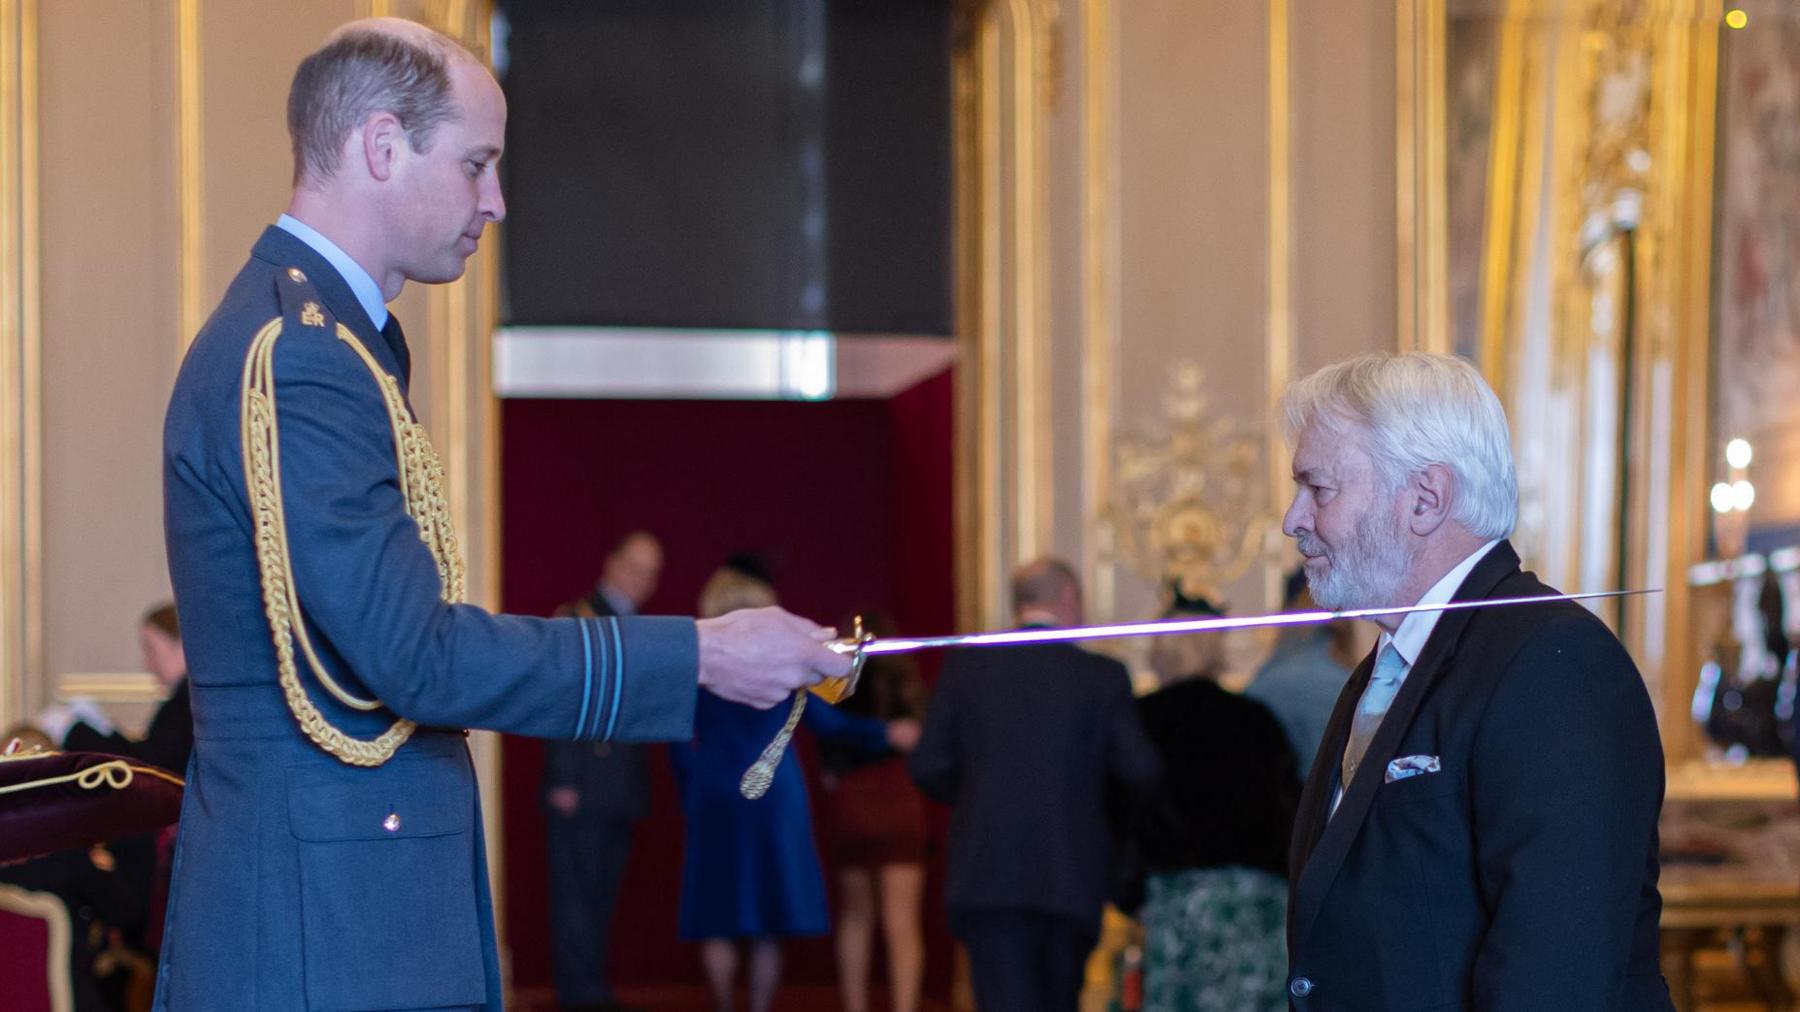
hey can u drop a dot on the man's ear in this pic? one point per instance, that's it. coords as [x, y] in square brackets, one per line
[381, 136]
[1433, 494]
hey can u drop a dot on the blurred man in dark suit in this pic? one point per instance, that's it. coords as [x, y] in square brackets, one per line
[593, 793]
[1023, 742]
[1479, 827]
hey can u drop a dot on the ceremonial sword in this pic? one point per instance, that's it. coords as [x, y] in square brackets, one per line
[861, 645]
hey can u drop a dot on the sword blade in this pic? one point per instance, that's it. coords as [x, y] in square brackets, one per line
[1166, 627]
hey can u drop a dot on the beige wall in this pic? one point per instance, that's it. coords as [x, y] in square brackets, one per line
[113, 205]
[1194, 205]
[109, 272]
[1344, 252]
[1185, 233]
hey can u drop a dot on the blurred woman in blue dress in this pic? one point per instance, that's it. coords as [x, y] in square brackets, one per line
[751, 875]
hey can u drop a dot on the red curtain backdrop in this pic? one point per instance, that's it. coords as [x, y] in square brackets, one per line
[849, 500]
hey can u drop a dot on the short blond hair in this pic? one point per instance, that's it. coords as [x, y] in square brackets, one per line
[1190, 655]
[733, 590]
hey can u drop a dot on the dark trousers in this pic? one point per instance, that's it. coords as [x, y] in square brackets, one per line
[587, 864]
[1024, 960]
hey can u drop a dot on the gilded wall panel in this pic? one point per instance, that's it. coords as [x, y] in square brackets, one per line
[21, 572]
[1578, 183]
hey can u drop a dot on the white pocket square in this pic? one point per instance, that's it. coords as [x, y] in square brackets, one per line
[1412, 766]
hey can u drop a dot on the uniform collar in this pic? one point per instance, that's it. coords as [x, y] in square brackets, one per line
[621, 605]
[281, 249]
[367, 292]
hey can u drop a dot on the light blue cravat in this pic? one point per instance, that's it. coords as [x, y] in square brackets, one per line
[1377, 696]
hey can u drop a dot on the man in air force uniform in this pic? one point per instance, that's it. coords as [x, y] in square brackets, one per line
[330, 852]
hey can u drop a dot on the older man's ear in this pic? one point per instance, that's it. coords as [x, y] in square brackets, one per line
[1434, 495]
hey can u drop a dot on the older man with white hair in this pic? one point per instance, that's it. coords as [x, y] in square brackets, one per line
[1479, 827]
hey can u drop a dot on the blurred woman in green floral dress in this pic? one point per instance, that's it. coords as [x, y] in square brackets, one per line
[1212, 842]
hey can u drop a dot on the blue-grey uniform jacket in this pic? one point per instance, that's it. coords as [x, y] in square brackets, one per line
[301, 882]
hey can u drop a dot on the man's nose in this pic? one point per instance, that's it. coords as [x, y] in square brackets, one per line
[1296, 518]
[493, 205]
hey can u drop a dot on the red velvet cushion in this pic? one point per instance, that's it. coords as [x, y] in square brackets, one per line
[52, 801]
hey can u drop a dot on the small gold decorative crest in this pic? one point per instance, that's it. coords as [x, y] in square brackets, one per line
[311, 316]
[1187, 509]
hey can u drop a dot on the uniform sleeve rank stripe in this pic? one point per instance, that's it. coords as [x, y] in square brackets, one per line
[612, 720]
[587, 685]
[605, 668]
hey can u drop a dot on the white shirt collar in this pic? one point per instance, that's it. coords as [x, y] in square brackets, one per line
[621, 605]
[367, 292]
[1416, 628]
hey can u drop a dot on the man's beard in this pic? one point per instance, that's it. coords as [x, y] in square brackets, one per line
[1365, 572]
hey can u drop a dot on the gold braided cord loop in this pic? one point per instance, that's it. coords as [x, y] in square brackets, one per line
[114, 773]
[421, 485]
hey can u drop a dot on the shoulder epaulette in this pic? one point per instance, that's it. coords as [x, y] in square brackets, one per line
[302, 307]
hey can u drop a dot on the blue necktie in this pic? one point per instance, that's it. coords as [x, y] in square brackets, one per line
[1377, 696]
[396, 342]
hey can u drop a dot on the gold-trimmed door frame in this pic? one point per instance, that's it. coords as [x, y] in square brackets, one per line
[190, 173]
[1421, 199]
[1279, 339]
[1003, 77]
[1100, 259]
[21, 521]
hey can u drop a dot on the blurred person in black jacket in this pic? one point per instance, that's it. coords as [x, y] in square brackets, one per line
[170, 738]
[140, 867]
[1210, 846]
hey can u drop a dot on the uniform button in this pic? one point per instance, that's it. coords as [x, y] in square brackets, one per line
[391, 823]
[298, 276]
[1300, 987]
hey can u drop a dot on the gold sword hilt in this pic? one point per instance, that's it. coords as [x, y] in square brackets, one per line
[761, 775]
[836, 690]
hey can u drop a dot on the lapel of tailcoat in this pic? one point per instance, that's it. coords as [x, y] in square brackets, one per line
[1323, 840]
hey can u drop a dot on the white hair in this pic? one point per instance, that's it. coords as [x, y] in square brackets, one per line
[1415, 410]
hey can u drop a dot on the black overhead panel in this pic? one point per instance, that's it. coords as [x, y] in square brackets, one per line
[766, 164]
